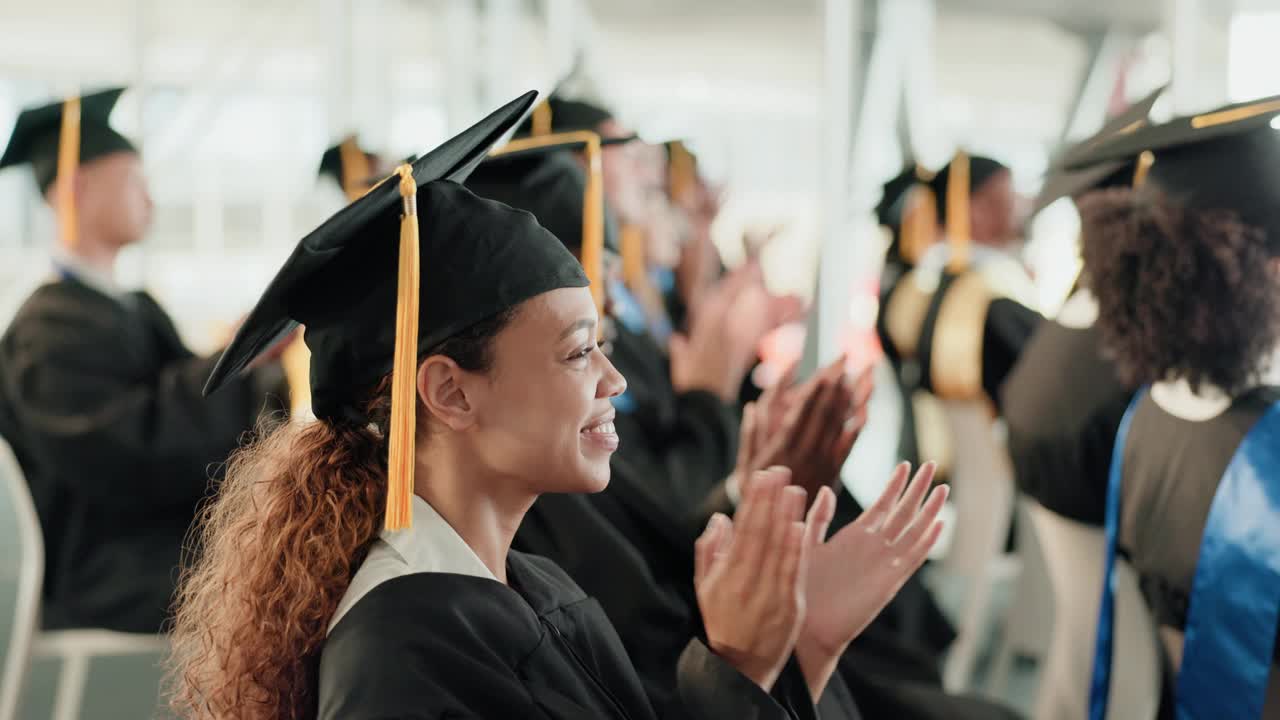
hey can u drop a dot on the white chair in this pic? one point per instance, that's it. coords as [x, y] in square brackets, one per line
[1074, 558]
[1025, 632]
[982, 478]
[20, 529]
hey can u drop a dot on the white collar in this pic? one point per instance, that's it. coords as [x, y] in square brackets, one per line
[430, 545]
[1080, 311]
[1176, 398]
[96, 278]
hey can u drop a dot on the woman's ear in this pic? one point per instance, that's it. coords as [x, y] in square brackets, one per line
[441, 388]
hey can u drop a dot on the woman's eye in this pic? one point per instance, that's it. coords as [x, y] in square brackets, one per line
[582, 353]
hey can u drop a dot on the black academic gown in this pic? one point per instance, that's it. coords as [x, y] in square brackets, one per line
[684, 444]
[1062, 404]
[102, 405]
[621, 548]
[442, 645]
[983, 337]
[1171, 471]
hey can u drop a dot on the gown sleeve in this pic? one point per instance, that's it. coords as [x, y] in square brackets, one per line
[89, 397]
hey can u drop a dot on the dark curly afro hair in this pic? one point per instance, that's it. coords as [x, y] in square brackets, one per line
[1184, 293]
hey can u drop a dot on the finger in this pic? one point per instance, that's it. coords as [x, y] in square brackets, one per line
[843, 444]
[920, 551]
[863, 386]
[909, 504]
[746, 441]
[794, 564]
[928, 514]
[838, 411]
[808, 423]
[820, 515]
[836, 368]
[873, 517]
[788, 512]
[704, 548]
[751, 533]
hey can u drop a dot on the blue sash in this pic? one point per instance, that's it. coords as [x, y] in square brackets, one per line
[1234, 607]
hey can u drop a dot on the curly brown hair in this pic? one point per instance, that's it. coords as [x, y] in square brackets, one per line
[1184, 292]
[276, 549]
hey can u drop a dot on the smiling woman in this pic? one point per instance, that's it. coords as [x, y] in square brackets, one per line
[452, 403]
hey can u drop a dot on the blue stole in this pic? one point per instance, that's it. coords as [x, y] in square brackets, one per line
[1234, 607]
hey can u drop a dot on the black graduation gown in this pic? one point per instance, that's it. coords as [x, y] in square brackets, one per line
[442, 645]
[682, 443]
[1172, 468]
[102, 405]
[1062, 404]
[621, 548]
[905, 370]
[994, 328]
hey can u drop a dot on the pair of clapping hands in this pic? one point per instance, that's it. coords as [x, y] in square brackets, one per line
[770, 583]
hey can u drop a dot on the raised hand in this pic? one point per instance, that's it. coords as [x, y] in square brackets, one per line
[809, 429]
[750, 577]
[853, 576]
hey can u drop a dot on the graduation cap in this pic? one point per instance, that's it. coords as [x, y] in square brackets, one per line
[349, 165]
[57, 137]
[475, 258]
[1227, 159]
[1062, 182]
[909, 208]
[538, 175]
[558, 114]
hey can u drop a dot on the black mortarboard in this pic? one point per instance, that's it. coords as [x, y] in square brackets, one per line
[1225, 159]
[557, 114]
[893, 195]
[349, 165]
[477, 258]
[37, 134]
[537, 174]
[980, 169]
[1062, 182]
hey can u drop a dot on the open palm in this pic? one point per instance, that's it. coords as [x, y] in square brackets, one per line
[853, 575]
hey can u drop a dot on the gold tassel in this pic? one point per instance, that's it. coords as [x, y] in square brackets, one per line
[355, 168]
[593, 226]
[682, 172]
[68, 163]
[404, 373]
[958, 227]
[1142, 167]
[919, 223]
[591, 254]
[631, 246]
[541, 120]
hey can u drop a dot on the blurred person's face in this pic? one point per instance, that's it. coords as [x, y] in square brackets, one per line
[112, 198]
[666, 230]
[625, 174]
[993, 211]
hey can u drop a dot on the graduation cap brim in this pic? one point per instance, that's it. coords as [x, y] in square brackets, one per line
[1230, 120]
[270, 321]
[1069, 183]
[1062, 182]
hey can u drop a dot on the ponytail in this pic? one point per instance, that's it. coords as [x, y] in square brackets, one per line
[292, 522]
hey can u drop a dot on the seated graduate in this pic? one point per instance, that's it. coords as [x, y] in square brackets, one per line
[1063, 400]
[99, 397]
[352, 167]
[966, 308]
[453, 397]
[1185, 269]
[622, 545]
